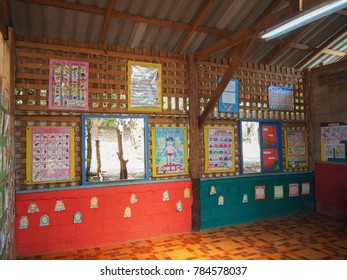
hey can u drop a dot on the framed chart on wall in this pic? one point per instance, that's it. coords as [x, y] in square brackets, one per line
[229, 101]
[169, 151]
[68, 85]
[281, 98]
[144, 86]
[219, 149]
[333, 142]
[50, 154]
[295, 142]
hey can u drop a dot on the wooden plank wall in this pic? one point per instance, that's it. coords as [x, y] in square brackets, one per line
[108, 94]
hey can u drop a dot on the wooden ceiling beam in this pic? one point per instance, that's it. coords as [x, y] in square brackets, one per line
[333, 38]
[5, 20]
[244, 34]
[107, 21]
[280, 49]
[199, 17]
[239, 54]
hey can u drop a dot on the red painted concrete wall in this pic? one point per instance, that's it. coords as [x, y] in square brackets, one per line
[151, 216]
[331, 188]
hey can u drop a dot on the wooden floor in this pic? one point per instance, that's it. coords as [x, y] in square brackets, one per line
[310, 236]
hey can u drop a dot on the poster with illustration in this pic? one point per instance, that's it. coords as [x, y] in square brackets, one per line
[144, 86]
[333, 142]
[219, 149]
[296, 149]
[259, 192]
[293, 190]
[229, 101]
[169, 151]
[68, 85]
[281, 98]
[50, 154]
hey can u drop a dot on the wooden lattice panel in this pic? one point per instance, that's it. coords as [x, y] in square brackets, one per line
[253, 80]
[108, 81]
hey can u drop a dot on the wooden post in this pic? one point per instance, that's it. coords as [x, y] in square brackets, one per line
[194, 142]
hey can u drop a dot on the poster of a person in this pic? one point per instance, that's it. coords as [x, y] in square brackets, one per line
[170, 150]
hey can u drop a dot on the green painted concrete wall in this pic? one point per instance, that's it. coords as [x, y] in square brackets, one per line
[234, 211]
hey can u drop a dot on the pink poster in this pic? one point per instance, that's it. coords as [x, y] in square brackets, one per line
[51, 152]
[68, 85]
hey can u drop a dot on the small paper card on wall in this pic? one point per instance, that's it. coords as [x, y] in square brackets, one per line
[293, 190]
[259, 192]
[68, 85]
[278, 192]
[50, 154]
[305, 188]
[144, 86]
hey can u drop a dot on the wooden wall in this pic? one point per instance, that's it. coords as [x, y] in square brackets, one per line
[7, 182]
[108, 94]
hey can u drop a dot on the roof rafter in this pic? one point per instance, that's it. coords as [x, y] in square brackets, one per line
[280, 49]
[4, 20]
[199, 17]
[238, 56]
[107, 20]
[333, 38]
[244, 34]
[240, 52]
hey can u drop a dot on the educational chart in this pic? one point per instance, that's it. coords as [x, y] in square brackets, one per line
[333, 142]
[229, 101]
[50, 154]
[281, 98]
[169, 151]
[68, 85]
[270, 155]
[144, 86]
[296, 149]
[219, 149]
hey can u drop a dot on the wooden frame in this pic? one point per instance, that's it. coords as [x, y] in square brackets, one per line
[169, 151]
[219, 149]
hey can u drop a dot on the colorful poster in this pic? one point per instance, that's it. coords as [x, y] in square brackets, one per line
[50, 154]
[269, 135]
[219, 149]
[293, 190]
[169, 151]
[259, 192]
[281, 98]
[333, 142]
[68, 85]
[270, 159]
[229, 101]
[296, 149]
[144, 86]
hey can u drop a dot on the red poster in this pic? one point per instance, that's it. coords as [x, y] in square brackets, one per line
[269, 135]
[270, 159]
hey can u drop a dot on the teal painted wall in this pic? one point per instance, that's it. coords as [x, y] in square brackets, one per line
[234, 211]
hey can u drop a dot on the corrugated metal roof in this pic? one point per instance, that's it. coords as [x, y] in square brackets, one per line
[132, 25]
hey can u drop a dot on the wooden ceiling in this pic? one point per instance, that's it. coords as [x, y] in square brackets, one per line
[195, 21]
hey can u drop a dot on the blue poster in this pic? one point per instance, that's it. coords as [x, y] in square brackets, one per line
[229, 101]
[170, 146]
